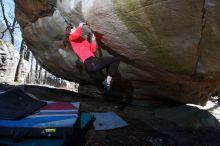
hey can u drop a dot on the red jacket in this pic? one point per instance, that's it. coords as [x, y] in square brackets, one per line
[82, 47]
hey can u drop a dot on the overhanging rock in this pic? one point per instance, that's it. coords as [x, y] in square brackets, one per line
[168, 49]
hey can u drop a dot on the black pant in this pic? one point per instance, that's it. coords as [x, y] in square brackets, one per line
[96, 64]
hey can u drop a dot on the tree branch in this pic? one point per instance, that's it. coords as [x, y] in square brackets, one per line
[13, 28]
[3, 33]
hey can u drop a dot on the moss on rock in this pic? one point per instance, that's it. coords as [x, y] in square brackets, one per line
[156, 53]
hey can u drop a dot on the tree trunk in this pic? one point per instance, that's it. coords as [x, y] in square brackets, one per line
[45, 77]
[36, 73]
[27, 54]
[18, 70]
[31, 69]
[40, 75]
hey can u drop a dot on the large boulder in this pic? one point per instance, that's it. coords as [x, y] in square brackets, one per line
[168, 49]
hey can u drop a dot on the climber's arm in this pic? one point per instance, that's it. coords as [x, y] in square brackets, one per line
[93, 44]
[77, 33]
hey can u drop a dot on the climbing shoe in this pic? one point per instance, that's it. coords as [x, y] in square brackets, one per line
[106, 86]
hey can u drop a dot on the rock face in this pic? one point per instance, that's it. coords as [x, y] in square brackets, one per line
[168, 49]
[9, 58]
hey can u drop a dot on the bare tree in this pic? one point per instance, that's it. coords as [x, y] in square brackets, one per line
[40, 75]
[45, 77]
[31, 69]
[22, 52]
[10, 26]
[36, 72]
[27, 54]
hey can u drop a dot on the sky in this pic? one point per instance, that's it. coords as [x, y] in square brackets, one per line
[9, 10]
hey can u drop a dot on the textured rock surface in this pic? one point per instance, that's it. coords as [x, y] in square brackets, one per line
[168, 48]
[9, 58]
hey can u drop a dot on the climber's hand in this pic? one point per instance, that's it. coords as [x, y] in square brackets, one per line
[93, 37]
[81, 24]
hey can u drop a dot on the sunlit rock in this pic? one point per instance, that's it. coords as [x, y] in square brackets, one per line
[9, 58]
[25, 69]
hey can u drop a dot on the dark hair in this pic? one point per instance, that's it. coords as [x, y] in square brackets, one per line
[89, 37]
[68, 28]
[66, 42]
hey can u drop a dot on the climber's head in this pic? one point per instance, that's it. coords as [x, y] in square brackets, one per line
[72, 30]
[68, 29]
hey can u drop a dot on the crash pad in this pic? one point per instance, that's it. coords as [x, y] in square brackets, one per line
[15, 104]
[107, 121]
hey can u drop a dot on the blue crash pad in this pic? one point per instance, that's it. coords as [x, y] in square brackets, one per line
[85, 118]
[32, 142]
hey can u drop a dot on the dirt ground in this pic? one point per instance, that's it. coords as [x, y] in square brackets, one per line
[144, 128]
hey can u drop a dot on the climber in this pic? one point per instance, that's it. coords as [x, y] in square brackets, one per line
[85, 52]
